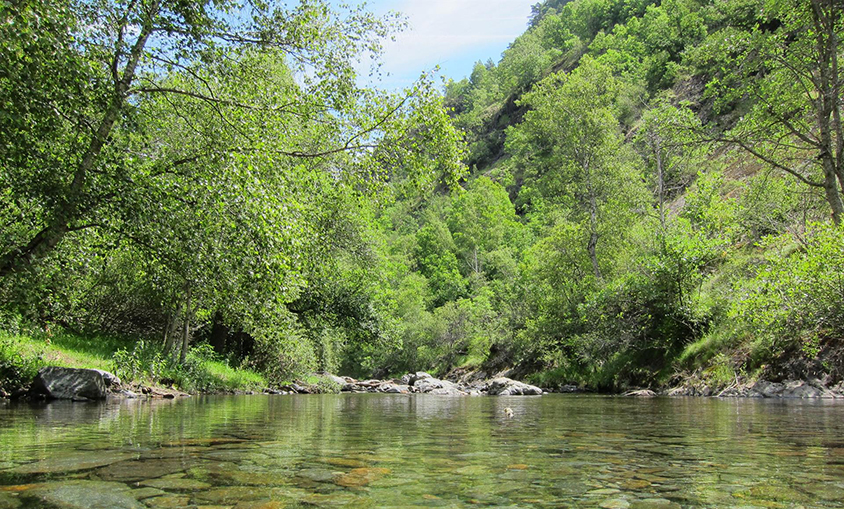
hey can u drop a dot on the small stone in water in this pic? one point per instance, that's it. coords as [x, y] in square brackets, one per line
[140, 470]
[604, 491]
[615, 503]
[167, 502]
[177, 484]
[143, 493]
[343, 462]
[361, 477]
[317, 475]
[635, 484]
[266, 504]
[654, 503]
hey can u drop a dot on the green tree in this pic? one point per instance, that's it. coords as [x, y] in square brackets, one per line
[109, 61]
[787, 66]
[571, 148]
[482, 220]
[667, 144]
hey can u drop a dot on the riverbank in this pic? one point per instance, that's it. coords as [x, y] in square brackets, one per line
[23, 355]
[24, 359]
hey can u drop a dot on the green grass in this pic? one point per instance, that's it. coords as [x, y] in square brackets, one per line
[234, 379]
[73, 350]
[19, 363]
[21, 355]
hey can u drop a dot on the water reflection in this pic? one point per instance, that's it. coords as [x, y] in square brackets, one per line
[427, 451]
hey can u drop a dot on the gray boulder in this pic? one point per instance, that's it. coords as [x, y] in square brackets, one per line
[391, 388]
[768, 389]
[448, 391]
[507, 387]
[333, 378]
[412, 378]
[809, 389]
[56, 382]
[437, 386]
[110, 379]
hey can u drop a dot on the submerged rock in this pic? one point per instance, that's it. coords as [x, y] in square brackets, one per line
[71, 462]
[508, 387]
[84, 495]
[176, 484]
[361, 477]
[139, 470]
[56, 382]
[654, 503]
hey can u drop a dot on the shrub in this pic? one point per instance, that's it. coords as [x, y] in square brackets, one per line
[17, 368]
[145, 362]
[796, 298]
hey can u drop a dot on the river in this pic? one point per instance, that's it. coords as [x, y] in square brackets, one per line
[400, 451]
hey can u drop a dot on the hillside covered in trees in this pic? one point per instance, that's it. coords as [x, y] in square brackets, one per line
[639, 193]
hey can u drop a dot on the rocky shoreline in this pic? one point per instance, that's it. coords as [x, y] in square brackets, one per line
[812, 388]
[53, 382]
[76, 384]
[424, 383]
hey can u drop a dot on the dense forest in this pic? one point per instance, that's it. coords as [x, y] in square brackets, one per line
[637, 194]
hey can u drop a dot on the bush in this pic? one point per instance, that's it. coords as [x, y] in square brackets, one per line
[202, 370]
[283, 355]
[17, 368]
[796, 299]
[146, 362]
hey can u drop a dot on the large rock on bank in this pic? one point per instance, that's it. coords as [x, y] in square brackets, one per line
[509, 387]
[439, 387]
[55, 382]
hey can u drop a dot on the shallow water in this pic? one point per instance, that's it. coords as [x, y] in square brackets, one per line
[368, 450]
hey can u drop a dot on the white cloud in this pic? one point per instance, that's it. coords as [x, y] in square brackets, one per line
[452, 33]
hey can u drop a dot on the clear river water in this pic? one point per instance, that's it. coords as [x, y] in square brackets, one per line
[400, 451]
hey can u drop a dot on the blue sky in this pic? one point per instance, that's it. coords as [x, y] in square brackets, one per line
[453, 34]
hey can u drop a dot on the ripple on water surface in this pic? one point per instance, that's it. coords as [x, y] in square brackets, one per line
[423, 451]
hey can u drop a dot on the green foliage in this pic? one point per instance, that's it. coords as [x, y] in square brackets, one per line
[202, 370]
[256, 196]
[282, 354]
[707, 209]
[782, 79]
[437, 261]
[795, 298]
[17, 365]
[144, 363]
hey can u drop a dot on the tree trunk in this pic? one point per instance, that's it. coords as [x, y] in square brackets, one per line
[660, 180]
[186, 331]
[828, 104]
[40, 245]
[833, 195]
[170, 333]
[591, 247]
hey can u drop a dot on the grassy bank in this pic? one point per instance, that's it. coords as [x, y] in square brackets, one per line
[138, 362]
